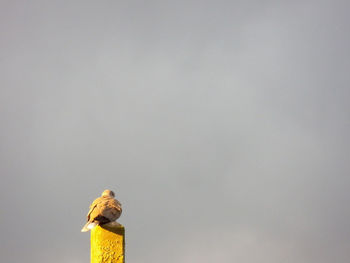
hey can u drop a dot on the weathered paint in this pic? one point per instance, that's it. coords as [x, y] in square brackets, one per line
[108, 244]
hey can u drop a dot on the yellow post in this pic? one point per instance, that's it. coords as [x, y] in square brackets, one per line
[108, 244]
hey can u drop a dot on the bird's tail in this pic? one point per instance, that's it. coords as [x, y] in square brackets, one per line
[88, 226]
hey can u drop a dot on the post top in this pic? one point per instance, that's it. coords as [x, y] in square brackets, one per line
[114, 227]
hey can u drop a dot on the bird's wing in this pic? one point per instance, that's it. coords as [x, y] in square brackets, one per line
[93, 206]
[116, 204]
[111, 209]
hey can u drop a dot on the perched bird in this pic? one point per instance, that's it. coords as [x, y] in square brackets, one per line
[103, 210]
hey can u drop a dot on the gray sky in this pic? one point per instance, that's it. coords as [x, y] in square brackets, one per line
[222, 126]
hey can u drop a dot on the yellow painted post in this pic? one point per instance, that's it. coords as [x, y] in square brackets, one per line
[108, 244]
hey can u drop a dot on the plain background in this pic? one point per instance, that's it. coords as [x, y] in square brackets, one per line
[222, 126]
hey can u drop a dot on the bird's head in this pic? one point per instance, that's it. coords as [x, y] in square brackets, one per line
[108, 193]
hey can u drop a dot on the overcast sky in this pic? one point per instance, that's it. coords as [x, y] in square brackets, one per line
[222, 126]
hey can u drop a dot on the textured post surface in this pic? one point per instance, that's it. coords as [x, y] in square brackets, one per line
[108, 244]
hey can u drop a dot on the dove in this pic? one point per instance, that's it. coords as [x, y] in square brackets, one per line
[103, 210]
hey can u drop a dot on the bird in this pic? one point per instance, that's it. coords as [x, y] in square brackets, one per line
[103, 210]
